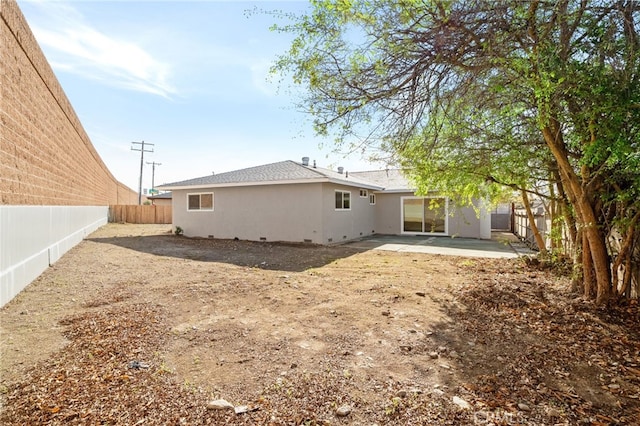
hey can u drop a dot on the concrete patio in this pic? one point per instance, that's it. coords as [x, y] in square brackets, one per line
[503, 244]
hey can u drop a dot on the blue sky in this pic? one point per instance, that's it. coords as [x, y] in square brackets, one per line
[190, 77]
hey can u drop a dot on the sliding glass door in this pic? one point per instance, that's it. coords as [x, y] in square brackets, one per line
[424, 215]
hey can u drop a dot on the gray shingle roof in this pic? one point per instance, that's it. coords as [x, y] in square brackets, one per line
[389, 179]
[284, 172]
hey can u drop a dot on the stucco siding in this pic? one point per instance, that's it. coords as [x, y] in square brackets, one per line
[269, 212]
[470, 222]
[345, 225]
[306, 213]
[462, 221]
[387, 213]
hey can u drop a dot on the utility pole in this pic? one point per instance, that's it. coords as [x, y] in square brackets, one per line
[142, 151]
[153, 174]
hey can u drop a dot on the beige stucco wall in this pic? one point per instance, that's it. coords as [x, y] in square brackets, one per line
[463, 221]
[387, 213]
[295, 212]
[273, 212]
[305, 212]
[344, 225]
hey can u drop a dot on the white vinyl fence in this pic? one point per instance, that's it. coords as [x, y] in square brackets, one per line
[32, 238]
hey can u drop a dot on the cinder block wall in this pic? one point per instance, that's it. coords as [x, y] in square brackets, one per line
[54, 187]
[46, 157]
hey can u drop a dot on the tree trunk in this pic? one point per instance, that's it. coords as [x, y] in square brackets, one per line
[598, 249]
[626, 279]
[588, 283]
[577, 278]
[555, 233]
[569, 217]
[532, 223]
[586, 214]
[625, 254]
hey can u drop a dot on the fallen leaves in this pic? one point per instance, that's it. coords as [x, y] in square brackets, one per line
[512, 346]
[552, 350]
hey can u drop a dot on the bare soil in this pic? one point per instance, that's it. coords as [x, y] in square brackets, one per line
[138, 326]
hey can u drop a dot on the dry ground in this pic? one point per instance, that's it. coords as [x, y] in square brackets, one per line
[138, 326]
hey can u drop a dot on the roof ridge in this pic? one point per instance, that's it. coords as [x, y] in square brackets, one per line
[228, 172]
[313, 169]
[343, 176]
[281, 172]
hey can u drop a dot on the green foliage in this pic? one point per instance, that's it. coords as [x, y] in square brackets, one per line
[457, 92]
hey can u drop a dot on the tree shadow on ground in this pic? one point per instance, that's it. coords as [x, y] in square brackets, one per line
[280, 256]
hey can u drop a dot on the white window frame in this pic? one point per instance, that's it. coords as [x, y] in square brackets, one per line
[425, 199]
[200, 209]
[372, 199]
[342, 192]
[364, 193]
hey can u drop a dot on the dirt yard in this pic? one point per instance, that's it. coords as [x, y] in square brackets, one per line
[138, 326]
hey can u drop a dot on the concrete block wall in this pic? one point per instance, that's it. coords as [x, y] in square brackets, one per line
[54, 187]
[46, 157]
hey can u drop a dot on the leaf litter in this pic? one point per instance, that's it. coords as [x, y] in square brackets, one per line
[502, 343]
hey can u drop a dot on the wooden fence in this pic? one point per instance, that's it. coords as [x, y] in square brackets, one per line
[522, 227]
[140, 214]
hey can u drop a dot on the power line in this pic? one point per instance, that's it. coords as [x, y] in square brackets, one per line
[142, 151]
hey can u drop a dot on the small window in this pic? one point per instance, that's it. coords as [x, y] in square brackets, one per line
[198, 202]
[343, 200]
[363, 193]
[372, 199]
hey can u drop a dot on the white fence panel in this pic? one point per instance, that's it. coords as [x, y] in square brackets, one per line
[32, 238]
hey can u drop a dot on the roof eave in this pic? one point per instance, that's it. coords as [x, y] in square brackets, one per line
[356, 184]
[235, 184]
[396, 190]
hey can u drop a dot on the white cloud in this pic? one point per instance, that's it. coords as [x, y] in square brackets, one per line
[74, 46]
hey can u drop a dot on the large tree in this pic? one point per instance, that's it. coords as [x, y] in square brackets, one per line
[469, 95]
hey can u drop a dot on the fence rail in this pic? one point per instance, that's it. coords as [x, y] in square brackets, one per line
[140, 214]
[522, 228]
